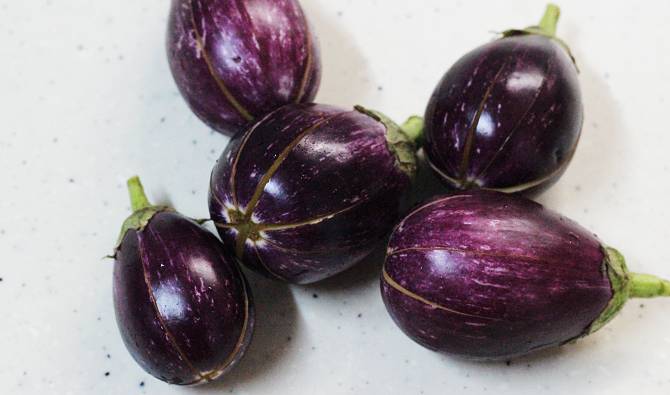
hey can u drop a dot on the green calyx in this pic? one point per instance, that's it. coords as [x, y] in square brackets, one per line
[626, 285]
[401, 141]
[143, 211]
[546, 28]
[615, 265]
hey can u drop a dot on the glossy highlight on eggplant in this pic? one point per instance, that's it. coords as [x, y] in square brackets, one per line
[487, 275]
[182, 305]
[508, 115]
[235, 61]
[307, 192]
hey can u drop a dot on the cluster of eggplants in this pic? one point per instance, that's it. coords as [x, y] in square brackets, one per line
[308, 191]
[508, 115]
[489, 275]
[182, 305]
[235, 61]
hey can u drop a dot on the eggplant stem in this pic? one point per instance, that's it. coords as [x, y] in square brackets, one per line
[138, 199]
[550, 20]
[413, 129]
[648, 286]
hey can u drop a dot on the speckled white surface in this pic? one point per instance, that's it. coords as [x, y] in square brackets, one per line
[86, 100]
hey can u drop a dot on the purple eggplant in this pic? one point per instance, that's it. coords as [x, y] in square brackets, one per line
[307, 192]
[488, 275]
[235, 61]
[182, 305]
[508, 115]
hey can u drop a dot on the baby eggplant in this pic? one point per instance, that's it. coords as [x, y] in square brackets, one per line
[235, 61]
[508, 115]
[183, 307]
[488, 275]
[307, 192]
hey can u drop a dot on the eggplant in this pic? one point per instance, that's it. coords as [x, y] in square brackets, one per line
[235, 61]
[309, 190]
[508, 115]
[488, 275]
[182, 305]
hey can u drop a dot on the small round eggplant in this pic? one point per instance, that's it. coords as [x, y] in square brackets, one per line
[234, 61]
[508, 115]
[308, 191]
[183, 307]
[488, 275]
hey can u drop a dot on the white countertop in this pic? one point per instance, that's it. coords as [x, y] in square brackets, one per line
[86, 100]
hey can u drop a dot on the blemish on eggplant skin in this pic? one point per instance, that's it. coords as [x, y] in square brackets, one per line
[315, 296]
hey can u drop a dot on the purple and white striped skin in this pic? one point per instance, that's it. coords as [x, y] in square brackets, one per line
[488, 275]
[182, 305]
[508, 115]
[237, 60]
[309, 190]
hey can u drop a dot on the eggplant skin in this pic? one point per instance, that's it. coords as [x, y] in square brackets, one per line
[507, 116]
[236, 60]
[486, 275]
[307, 192]
[183, 308]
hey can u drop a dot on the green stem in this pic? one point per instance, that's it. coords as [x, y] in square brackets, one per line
[413, 129]
[138, 199]
[550, 20]
[648, 286]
